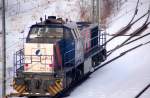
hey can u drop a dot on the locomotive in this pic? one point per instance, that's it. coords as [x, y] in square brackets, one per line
[57, 54]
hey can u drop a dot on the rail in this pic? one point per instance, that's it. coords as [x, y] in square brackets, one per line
[138, 31]
[127, 27]
[143, 91]
[121, 54]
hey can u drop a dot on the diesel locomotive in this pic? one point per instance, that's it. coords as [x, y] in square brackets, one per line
[56, 54]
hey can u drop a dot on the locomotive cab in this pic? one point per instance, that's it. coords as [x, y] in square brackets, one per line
[42, 48]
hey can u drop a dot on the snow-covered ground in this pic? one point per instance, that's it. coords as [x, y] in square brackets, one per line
[123, 78]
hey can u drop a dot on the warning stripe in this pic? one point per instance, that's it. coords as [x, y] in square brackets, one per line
[19, 88]
[15, 86]
[53, 90]
[22, 89]
[59, 86]
[56, 89]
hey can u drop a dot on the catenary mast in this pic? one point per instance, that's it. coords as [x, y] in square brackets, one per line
[3, 51]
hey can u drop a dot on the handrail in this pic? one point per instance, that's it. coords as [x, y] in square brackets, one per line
[39, 58]
[102, 39]
[18, 60]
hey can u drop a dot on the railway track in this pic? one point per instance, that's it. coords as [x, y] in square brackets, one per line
[126, 28]
[145, 35]
[129, 42]
[135, 33]
[138, 31]
[121, 54]
[142, 91]
[135, 13]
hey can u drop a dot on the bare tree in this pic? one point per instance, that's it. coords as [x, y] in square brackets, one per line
[108, 8]
[85, 10]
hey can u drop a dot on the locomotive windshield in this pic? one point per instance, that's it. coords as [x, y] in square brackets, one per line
[45, 34]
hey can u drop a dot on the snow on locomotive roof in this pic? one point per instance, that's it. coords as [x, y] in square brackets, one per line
[70, 25]
[53, 21]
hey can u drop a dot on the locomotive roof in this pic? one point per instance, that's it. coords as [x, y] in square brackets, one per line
[59, 22]
[70, 25]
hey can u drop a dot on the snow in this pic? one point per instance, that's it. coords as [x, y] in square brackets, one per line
[23, 13]
[123, 78]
